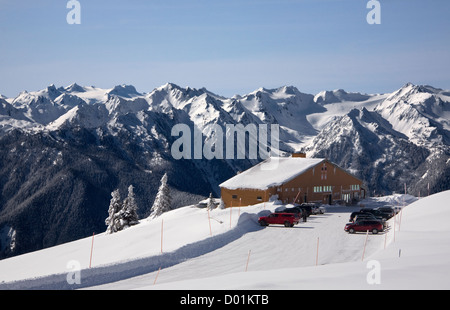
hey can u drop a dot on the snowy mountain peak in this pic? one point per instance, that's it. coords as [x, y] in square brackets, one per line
[169, 86]
[291, 90]
[126, 91]
[45, 95]
[420, 112]
[74, 88]
[280, 92]
[419, 88]
[181, 93]
[339, 95]
[51, 87]
[83, 116]
[51, 92]
[409, 89]
[68, 100]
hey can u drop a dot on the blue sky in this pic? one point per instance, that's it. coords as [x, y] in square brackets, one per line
[230, 47]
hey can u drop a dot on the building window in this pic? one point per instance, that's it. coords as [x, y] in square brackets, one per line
[355, 187]
[234, 196]
[322, 189]
[327, 188]
[323, 175]
[317, 189]
[259, 198]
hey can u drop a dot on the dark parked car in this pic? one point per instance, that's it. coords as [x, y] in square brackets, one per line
[389, 211]
[295, 210]
[308, 207]
[363, 226]
[318, 210]
[355, 216]
[377, 213]
[360, 215]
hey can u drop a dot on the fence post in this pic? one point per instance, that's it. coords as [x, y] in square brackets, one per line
[154, 282]
[265, 199]
[365, 243]
[162, 232]
[92, 248]
[209, 220]
[240, 203]
[231, 208]
[248, 258]
[395, 224]
[317, 252]
[295, 200]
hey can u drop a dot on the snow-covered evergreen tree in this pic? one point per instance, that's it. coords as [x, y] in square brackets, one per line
[113, 219]
[128, 214]
[163, 199]
[121, 214]
[211, 205]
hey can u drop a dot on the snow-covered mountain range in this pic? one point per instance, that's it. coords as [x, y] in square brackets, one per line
[64, 150]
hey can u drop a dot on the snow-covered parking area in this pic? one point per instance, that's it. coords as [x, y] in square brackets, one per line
[320, 240]
[186, 249]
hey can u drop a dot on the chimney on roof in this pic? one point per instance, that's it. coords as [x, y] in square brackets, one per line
[299, 154]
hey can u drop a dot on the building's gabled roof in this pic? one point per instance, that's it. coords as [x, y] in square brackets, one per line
[274, 171]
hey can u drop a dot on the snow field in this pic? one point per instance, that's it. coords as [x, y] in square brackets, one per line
[414, 255]
[274, 248]
[179, 233]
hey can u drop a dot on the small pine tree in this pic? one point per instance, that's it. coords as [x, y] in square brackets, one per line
[113, 219]
[128, 214]
[163, 199]
[211, 205]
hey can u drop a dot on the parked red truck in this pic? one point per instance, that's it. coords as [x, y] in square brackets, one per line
[286, 219]
[364, 225]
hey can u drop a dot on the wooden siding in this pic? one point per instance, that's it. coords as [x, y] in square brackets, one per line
[245, 197]
[324, 183]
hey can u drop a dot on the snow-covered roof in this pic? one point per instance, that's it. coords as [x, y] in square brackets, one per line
[274, 171]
